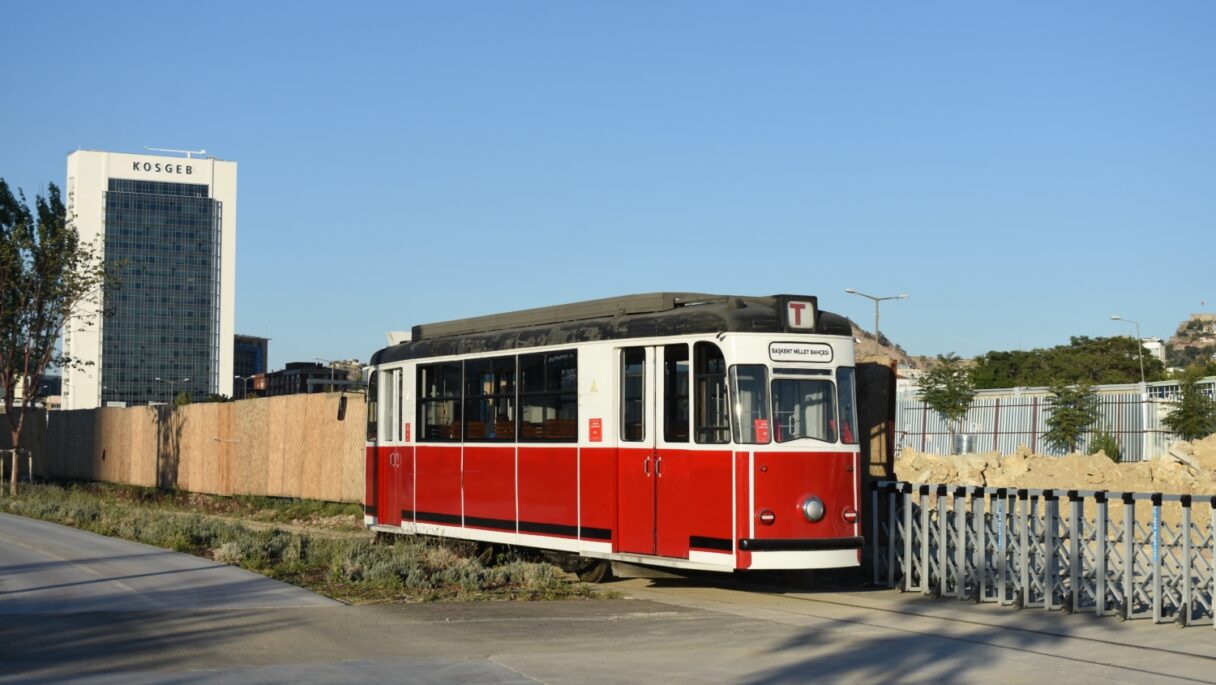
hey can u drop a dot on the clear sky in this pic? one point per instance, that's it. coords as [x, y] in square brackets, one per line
[1021, 171]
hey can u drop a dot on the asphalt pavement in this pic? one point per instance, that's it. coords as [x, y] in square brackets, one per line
[76, 607]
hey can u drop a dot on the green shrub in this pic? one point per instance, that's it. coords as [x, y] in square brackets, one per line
[1103, 441]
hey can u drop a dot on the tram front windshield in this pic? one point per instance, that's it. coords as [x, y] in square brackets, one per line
[804, 408]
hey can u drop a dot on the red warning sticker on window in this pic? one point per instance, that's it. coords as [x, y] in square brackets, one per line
[407, 432]
[595, 427]
[761, 426]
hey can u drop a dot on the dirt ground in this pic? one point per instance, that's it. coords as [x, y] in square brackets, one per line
[1188, 468]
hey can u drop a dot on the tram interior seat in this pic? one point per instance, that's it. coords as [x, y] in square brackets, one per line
[504, 429]
[560, 429]
[474, 430]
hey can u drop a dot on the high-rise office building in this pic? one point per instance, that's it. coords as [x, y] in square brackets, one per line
[171, 223]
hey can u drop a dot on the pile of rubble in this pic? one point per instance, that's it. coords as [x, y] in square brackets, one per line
[1187, 468]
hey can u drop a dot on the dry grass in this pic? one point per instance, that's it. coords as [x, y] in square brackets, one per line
[353, 569]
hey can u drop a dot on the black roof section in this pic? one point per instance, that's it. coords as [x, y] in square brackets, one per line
[649, 315]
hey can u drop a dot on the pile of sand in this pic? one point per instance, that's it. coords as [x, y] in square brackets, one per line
[1187, 468]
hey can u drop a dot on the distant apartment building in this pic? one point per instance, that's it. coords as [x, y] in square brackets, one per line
[1155, 347]
[309, 377]
[171, 222]
[299, 377]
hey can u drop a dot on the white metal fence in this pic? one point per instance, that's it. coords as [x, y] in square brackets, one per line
[1003, 420]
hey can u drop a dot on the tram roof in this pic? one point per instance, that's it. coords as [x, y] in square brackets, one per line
[647, 315]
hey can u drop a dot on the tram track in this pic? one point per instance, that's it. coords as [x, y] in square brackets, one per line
[1133, 648]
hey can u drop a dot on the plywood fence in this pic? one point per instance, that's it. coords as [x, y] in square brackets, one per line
[289, 446]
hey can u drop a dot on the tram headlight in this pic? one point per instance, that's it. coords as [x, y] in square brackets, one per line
[813, 509]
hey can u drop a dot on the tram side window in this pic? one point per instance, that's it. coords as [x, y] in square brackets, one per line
[675, 393]
[804, 408]
[439, 402]
[392, 404]
[713, 416]
[846, 386]
[548, 397]
[489, 399]
[633, 400]
[749, 387]
[373, 404]
[399, 413]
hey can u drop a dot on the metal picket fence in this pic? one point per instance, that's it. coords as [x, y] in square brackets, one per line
[1070, 550]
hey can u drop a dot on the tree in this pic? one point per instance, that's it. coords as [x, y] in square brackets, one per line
[948, 389]
[1083, 360]
[1074, 408]
[46, 275]
[1194, 414]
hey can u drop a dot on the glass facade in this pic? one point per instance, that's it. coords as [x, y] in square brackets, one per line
[163, 321]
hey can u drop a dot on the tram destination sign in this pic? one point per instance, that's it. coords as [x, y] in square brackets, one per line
[820, 353]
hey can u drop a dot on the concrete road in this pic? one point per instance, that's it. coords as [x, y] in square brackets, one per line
[667, 631]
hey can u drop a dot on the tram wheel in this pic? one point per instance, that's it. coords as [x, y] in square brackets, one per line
[597, 571]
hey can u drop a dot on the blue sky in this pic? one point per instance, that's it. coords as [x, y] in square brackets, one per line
[1021, 171]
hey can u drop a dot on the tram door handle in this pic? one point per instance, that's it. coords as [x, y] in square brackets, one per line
[646, 466]
[658, 467]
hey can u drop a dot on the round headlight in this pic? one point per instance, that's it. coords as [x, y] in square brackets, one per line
[813, 509]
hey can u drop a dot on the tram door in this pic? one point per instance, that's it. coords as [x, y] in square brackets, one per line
[389, 457]
[636, 453]
[652, 454]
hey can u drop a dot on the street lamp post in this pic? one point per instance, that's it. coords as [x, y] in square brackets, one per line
[244, 386]
[1139, 342]
[171, 383]
[877, 300]
[1143, 387]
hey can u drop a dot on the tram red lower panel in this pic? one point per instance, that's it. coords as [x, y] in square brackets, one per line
[710, 527]
[548, 490]
[743, 513]
[405, 482]
[783, 480]
[597, 494]
[438, 499]
[489, 487]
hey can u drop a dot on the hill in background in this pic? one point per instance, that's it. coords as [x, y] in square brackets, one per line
[1195, 340]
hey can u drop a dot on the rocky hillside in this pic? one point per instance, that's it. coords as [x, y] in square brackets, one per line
[1195, 340]
[868, 347]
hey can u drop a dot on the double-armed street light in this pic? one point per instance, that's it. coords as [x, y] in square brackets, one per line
[244, 385]
[1139, 342]
[171, 383]
[877, 300]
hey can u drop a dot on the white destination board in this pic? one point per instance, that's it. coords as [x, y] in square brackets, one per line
[800, 352]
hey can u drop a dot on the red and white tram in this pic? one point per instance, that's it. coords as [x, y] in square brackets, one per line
[683, 430]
